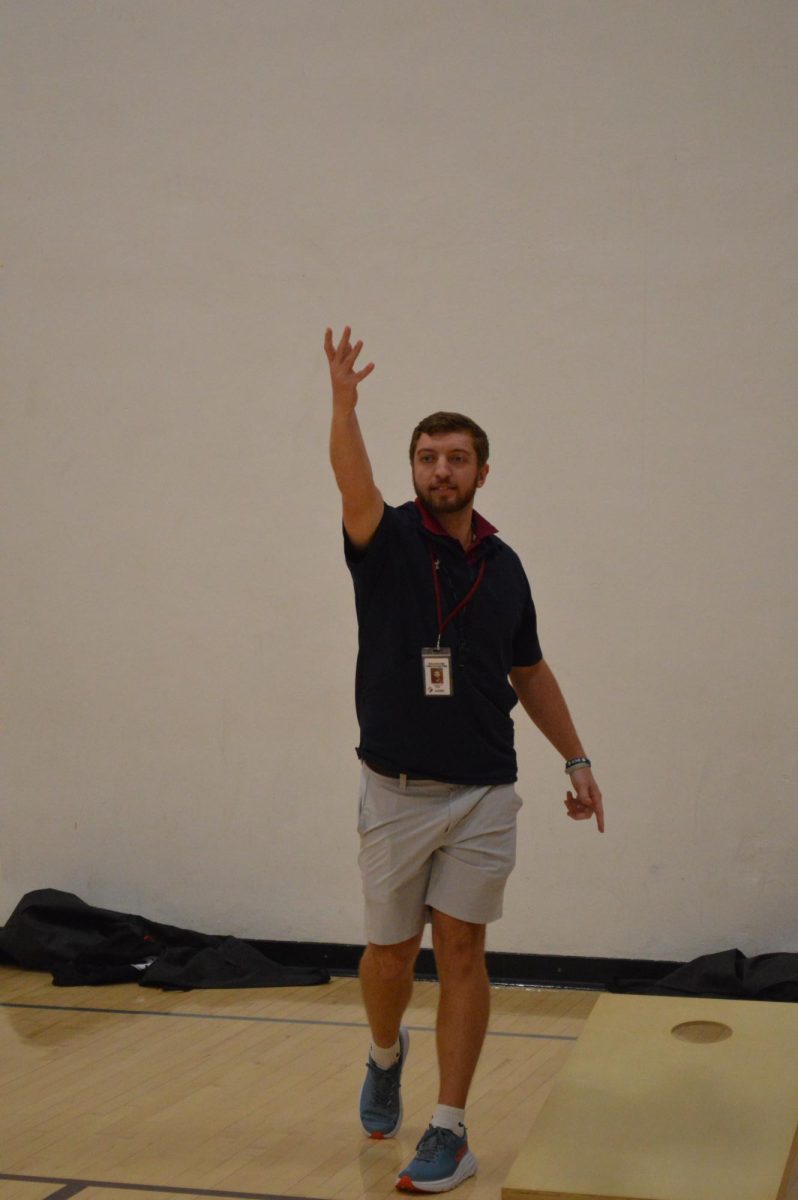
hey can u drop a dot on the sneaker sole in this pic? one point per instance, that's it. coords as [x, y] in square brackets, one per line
[377, 1134]
[465, 1169]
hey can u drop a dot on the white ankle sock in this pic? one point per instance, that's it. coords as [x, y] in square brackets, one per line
[385, 1057]
[449, 1118]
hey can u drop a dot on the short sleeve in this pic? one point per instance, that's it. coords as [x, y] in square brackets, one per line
[370, 561]
[526, 646]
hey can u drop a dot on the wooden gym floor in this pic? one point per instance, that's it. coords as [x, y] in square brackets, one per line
[118, 1093]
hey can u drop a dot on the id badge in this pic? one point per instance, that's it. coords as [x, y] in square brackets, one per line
[437, 666]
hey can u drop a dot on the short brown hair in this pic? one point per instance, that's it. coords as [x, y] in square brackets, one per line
[449, 422]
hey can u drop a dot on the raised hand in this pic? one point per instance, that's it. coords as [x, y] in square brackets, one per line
[343, 376]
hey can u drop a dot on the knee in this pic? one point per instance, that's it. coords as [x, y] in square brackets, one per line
[459, 946]
[391, 962]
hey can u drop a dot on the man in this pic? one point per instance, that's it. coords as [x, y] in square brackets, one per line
[447, 644]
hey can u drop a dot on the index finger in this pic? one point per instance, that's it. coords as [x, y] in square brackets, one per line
[343, 348]
[598, 808]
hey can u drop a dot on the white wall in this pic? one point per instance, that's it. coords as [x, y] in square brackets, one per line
[573, 219]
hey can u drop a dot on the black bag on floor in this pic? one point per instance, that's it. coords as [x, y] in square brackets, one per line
[58, 932]
[727, 974]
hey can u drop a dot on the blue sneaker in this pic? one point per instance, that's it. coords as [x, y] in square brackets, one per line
[442, 1161]
[381, 1095]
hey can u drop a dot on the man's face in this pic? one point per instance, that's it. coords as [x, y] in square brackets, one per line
[445, 473]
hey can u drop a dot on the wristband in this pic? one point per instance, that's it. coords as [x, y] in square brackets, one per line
[574, 764]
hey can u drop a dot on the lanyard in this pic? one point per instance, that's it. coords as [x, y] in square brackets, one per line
[444, 621]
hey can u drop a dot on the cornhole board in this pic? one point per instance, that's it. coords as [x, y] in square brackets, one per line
[669, 1098]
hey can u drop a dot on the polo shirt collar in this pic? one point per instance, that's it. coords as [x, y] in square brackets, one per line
[482, 528]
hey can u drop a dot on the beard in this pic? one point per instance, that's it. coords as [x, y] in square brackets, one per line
[453, 502]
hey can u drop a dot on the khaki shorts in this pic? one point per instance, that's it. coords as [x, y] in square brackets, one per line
[425, 845]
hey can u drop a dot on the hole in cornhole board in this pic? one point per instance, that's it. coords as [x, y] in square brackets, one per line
[701, 1032]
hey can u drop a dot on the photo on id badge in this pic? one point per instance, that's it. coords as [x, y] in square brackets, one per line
[437, 665]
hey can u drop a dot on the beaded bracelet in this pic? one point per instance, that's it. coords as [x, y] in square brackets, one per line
[574, 764]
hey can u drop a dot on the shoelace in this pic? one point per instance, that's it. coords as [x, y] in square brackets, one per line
[386, 1084]
[432, 1142]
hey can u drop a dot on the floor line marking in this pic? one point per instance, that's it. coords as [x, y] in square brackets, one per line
[143, 1012]
[73, 1187]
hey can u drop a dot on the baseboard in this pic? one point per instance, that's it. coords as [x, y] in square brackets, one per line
[539, 970]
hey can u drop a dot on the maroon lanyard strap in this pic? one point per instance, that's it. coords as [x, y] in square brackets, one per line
[444, 621]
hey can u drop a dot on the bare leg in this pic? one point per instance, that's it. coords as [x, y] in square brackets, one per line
[464, 1003]
[386, 983]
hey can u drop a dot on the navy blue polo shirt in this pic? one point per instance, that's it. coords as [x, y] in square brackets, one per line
[465, 738]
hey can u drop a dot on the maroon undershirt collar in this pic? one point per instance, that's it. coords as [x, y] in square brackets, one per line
[482, 528]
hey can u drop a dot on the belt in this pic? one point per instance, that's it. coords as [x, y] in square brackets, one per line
[393, 774]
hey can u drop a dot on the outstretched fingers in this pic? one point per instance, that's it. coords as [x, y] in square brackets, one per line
[345, 355]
